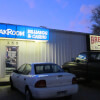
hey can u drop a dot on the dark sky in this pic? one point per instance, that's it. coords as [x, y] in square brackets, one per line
[72, 15]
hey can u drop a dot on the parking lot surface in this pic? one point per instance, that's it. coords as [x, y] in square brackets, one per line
[87, 91]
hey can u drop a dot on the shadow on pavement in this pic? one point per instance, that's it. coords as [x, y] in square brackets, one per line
[91, 84]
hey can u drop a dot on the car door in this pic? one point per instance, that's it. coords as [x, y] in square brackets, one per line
[94, 65]
[18, 75]
[23, 77]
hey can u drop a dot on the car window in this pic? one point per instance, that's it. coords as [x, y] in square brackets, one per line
[47, 68]
[98, 57]
[93, 56]
[21, 68]
[27, 69]
[81, 57]
[38, 69]
[56, 68]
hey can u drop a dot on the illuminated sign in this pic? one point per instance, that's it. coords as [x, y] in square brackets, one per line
[94, 42]
[23, 32]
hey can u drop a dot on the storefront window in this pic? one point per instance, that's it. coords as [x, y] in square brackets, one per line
[11, 59]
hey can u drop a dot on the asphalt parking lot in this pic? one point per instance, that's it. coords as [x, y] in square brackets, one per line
[87, 91]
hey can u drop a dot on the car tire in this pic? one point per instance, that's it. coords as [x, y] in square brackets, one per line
[28, 95]
[11, 83]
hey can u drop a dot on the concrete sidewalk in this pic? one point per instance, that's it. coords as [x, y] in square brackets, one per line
[4, 81]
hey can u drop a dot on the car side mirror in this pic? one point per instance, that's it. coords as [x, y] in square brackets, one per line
[16, 71]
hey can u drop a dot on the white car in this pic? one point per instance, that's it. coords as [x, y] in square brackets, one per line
[43, 80]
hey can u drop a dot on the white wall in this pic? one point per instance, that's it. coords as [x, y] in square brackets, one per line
[60, 48]
[67, 45]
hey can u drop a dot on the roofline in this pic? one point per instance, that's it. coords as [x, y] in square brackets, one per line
[52, 29]
[70, 31]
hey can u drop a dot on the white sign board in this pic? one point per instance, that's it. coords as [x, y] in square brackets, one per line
[94, 42]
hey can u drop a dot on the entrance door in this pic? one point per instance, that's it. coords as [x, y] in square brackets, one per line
[11, 59]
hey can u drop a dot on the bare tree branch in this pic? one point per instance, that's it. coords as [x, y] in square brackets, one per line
[96, 20]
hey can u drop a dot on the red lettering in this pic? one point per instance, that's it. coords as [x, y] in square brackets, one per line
[98, 39]
[95, 39]
[92, 39]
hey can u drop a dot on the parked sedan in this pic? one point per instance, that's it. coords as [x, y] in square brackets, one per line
[43, 80]
[86, 65]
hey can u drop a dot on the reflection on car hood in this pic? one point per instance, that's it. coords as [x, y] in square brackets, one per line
[70, 64]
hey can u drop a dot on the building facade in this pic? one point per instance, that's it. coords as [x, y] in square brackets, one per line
[58, 46]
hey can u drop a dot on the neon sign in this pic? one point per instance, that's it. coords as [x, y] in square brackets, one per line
[23, 32]
[11, 32]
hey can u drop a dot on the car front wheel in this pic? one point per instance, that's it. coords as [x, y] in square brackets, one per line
[28, 95]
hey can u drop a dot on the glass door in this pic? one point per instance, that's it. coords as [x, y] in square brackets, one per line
[11, 59]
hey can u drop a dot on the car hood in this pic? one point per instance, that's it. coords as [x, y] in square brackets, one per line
[69, 64]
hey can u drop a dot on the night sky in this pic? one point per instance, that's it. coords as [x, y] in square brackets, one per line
[72, 15]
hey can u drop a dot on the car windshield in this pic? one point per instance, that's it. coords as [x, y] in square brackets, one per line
[47, 68]
[82, 57]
